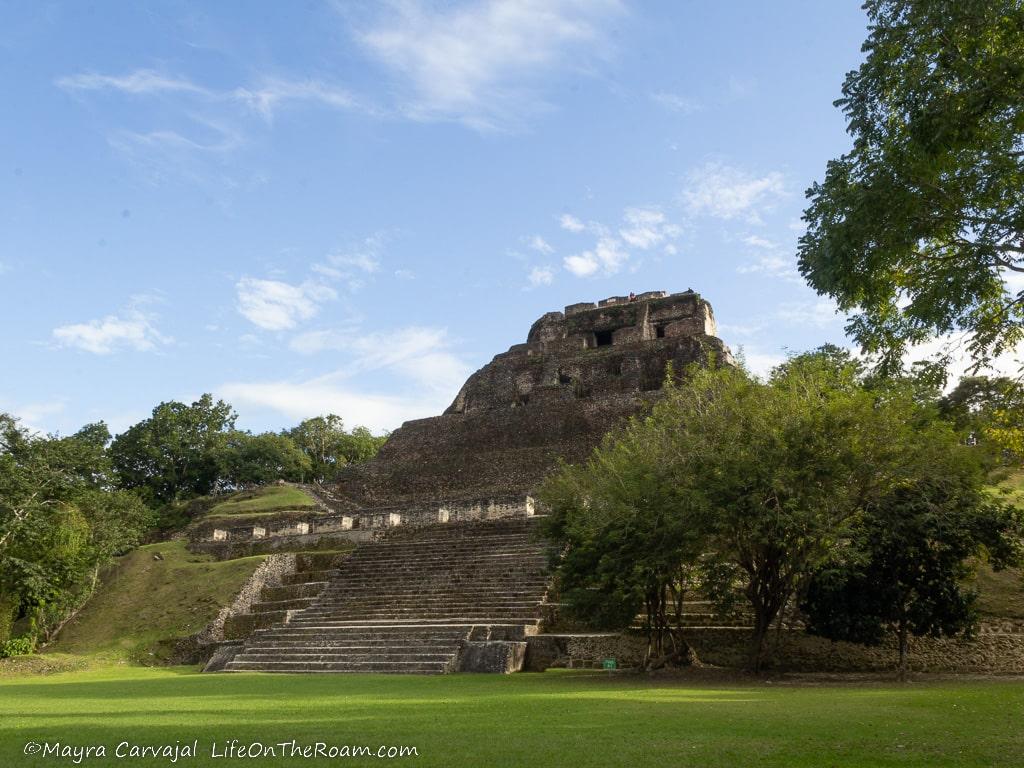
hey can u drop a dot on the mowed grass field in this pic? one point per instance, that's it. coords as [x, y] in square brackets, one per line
[551, 719]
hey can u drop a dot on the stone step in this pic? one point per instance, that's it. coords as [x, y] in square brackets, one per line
[521, 580]
[394, 667]
[306, 577]
[414, 600]
[481, 565]
[267, 606]
[343, 635]
[417, 622]
[285, 646]
[291, 591]
[318, 561]
[379, 655]
[468, 546]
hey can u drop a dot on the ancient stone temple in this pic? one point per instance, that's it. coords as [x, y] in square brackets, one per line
[579, 372]
[448, 573]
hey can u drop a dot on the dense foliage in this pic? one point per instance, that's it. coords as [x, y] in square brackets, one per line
[70, 504]
[919, 226]
[751, 490]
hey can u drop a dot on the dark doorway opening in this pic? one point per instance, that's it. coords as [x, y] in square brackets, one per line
[602, 338]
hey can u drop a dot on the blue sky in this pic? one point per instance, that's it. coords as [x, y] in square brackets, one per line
[312, 207]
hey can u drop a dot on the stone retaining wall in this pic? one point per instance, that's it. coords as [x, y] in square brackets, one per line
[993, 651]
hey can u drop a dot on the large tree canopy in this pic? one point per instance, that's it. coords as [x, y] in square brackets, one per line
[176, 452]
[918, 227]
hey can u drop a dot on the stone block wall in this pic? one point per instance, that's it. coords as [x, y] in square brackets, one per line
[993, 651]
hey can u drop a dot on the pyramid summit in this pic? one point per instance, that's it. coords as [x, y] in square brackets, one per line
[580, 372]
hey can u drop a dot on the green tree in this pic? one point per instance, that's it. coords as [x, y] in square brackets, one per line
[990, 411]
[260, 459]
[59, 521]
[632, 542]
[911, 555]
[766, 480]
[177, 452]
[329, 447]
[919, 224]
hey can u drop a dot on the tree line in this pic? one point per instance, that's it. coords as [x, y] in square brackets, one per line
[858, 503]
[69, 504]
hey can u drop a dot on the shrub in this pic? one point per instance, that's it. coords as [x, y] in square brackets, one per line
[17, 646]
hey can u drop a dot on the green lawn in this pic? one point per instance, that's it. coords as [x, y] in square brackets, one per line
[270, 498]
[551, 719]
[143, 603]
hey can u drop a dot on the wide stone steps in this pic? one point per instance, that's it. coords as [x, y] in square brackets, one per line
[391, 667]
[405, 603]
[305, 577]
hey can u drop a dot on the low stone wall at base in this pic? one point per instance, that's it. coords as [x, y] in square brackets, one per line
[991, 652]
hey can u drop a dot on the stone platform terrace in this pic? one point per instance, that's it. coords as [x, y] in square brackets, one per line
[431, 599]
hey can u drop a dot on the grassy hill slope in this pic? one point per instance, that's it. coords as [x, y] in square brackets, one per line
[144, 604]
[270, 498]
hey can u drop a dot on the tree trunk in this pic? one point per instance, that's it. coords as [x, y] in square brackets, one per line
[762, 624]
[8, 604]
[902, 670]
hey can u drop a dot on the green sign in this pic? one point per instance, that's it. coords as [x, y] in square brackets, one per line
[609, 664]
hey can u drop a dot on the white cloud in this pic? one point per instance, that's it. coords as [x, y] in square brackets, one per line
[582, 264]
[646, 228]
[33, 416]
[418, 359]
[570, 223]
[643, 228]
[480, 64]
[355, 263]
[756, 241]
[538, 244]
[724, 192]
[275, 91]
[819, 314]
[771, 265]
[299, 400]
[141, 81]
[130, 330]
[277, 306]
[762, 363]
[541, 276]
[607, 257]
[1010, 363]
[677, 103]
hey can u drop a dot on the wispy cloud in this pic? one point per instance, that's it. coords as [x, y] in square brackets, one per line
[724, 192]
[641, 229]
[278, 306]
[139, 82]
[419, 361]
[354, 264]
[539, 244]
[769, 259]
[674, 102]
[647, 227]
[274, 92]
[606, 257]
[131, 330]
[570, 223]
[541, 276]
[818, 314]
[484, 64]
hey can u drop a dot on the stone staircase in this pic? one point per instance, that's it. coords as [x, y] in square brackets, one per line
[419, 600]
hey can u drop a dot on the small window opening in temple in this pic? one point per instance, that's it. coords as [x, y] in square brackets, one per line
[602, 338]
[659, 331]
